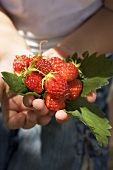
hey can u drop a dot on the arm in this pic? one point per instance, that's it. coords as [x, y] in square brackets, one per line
[96, 34]
[11, 43]
[8, 38]
[15, 113]
[18, 111]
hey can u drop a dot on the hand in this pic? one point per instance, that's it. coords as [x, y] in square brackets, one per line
[27, 111]
[16, 114]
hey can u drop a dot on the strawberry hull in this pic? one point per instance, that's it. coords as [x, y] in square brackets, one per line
[64, 84]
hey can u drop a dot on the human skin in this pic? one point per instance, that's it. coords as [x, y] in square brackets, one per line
[27, 112]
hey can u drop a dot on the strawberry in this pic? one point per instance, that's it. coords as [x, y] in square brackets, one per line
[75, 88]
[33, 82]
[56, 85]
[56, 63]
[54, 103]
[43, 65]
[69, 71]
[20, 62]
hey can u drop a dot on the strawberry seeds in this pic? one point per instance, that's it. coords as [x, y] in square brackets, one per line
[53, 78]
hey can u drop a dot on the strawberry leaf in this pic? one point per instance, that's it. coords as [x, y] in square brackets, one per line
[92, 116]
[96, 71]
[85, 54]
[97, 66]
[15, 83]
[93, 83]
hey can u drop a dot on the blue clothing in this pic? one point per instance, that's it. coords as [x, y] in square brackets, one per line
[55, 146]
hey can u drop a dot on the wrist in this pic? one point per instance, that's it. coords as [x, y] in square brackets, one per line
[13, 51]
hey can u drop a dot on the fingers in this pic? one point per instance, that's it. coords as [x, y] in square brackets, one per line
[25, 120]
[27, 100]
[62, 116]
[32, 119]
[14, 120]
[44, 120]
[91, 97]
[40, 107]
[43, 114]
[17, 115]
[37, 105]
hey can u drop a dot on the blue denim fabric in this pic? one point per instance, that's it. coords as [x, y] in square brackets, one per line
[98, 156]
[8, 143]
[61, 147]
[54, 146]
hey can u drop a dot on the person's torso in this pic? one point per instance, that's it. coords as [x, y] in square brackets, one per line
[37, 20]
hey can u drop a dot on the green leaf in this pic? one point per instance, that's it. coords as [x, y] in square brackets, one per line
[92, 116]
[93, 83]
[32, 93]
[73, 58]
[68, 59]
[97, 66]
[15, 83]
[96, 71]
[85, 54]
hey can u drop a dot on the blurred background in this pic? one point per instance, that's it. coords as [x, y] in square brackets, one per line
[111, 141]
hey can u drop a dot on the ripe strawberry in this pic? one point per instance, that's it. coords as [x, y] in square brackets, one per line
[69, 71]
[75, 88]
[53, 103]
[56, 63]
[33, 81]
[20, 62]
[56, 85]
[43, 65]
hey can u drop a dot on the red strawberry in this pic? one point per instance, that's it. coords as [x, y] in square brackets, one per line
[33, 81]
[75, 88]
[43, 65]
[20, 62]
[69, 71]
[56, 85]
[56, 63]
[53, 103]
